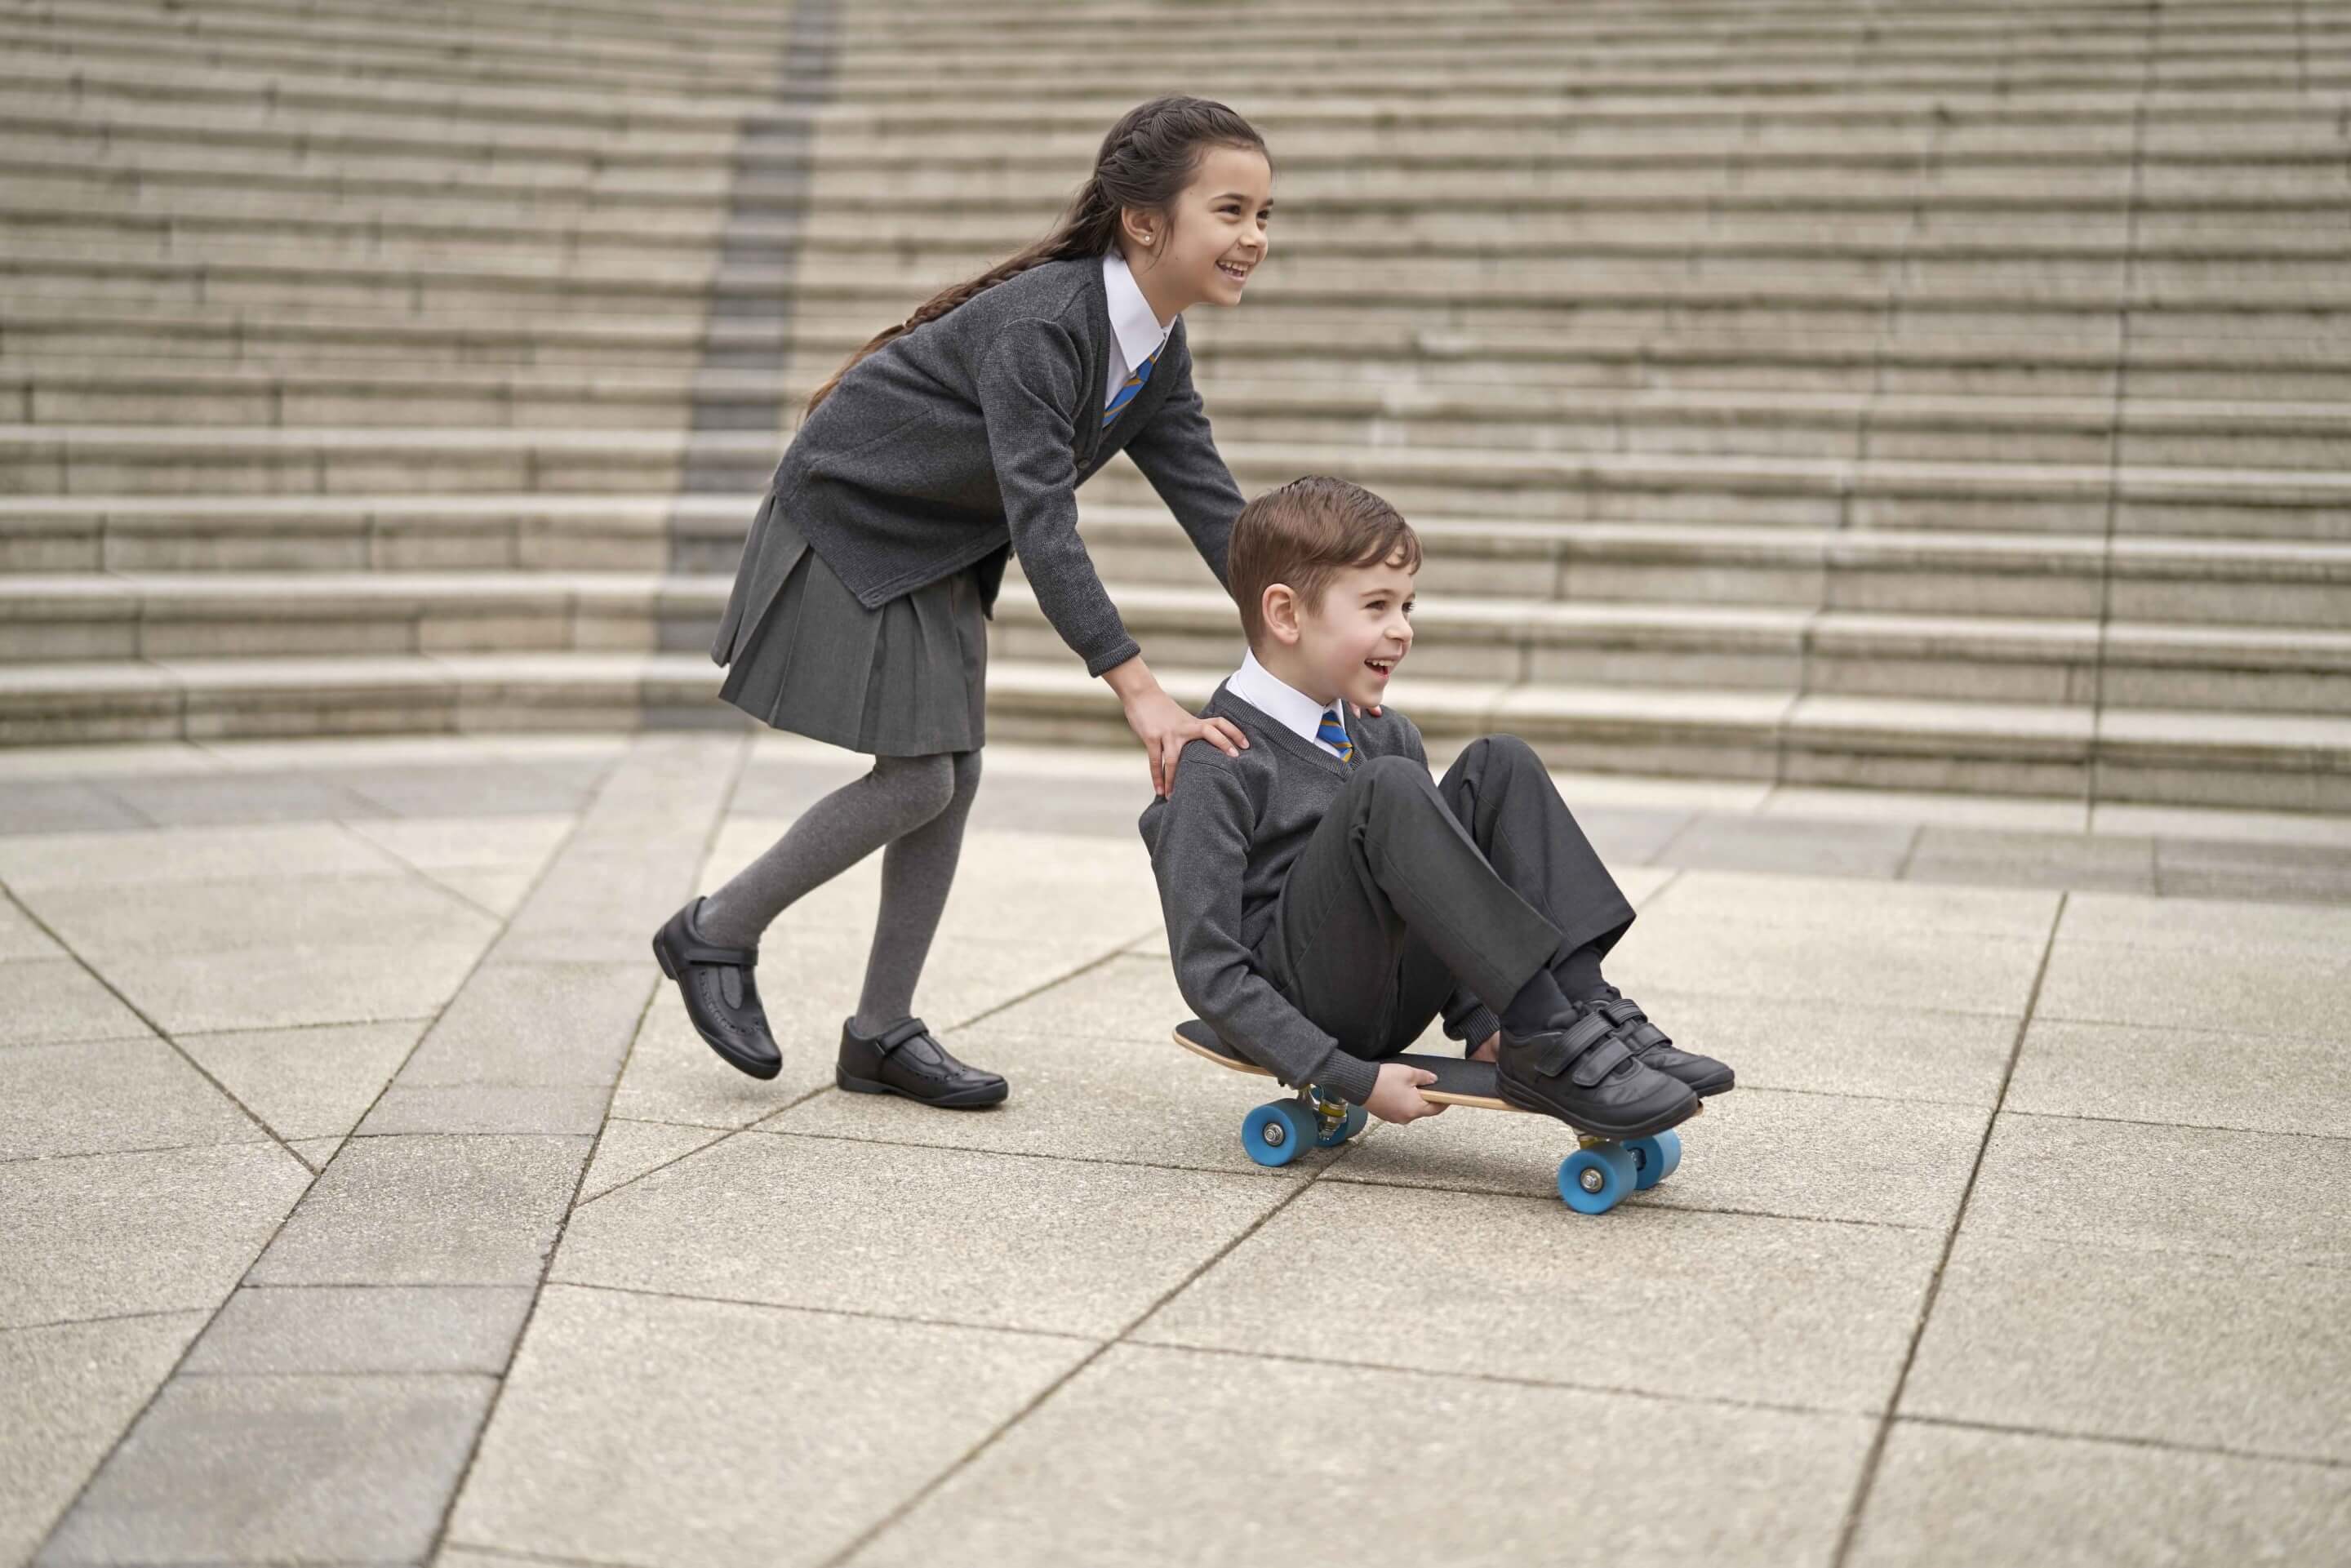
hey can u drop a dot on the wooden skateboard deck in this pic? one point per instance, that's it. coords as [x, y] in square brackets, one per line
[1458, 1082]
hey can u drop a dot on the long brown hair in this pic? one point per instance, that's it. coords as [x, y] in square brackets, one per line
[1145, 161]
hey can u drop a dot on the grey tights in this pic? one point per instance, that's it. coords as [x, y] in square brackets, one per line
[913, 805]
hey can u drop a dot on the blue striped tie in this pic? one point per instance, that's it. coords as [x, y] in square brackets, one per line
[1332, 733]
[1125, 394]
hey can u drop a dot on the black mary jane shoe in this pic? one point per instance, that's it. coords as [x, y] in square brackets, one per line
[907, 1059]
[722, 997]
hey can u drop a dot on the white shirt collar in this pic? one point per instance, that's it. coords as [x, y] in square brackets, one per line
[1282, 702]
[1138, 331]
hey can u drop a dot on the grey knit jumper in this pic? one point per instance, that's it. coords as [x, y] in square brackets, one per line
[967, 437]
[1222, 843]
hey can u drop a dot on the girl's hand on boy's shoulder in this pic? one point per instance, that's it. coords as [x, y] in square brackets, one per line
[1361, 710]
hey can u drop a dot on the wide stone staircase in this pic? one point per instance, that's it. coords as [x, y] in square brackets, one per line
[1951, 396]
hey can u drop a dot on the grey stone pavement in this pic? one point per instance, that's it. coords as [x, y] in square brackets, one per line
[366, 1199]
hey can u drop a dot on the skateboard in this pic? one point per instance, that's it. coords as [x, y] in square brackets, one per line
[1593, 1180]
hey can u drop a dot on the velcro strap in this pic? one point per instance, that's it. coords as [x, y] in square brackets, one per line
[1624, 1010]
[899, 1034]
[1639, 1032]
[1570, 1043]
[1599, 1063]
[692, 952]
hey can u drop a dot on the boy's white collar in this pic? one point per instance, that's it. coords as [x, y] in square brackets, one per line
[1138, 331]
[1278, 700]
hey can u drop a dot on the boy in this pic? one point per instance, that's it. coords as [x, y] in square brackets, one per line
[1325, 899]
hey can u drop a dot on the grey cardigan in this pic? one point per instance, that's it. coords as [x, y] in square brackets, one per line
[967, 437]
[1222, 843]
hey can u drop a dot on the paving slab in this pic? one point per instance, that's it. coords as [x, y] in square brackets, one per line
[2249, 1355]
[233, 914]
[1754, 1150]
[2262, 1195]
[103, 1235]
[535, 1023]
[213, 799]
[1798, 1313]
[95, 1096]
[952, 1236]
[1954, 1496]
[1074, 1097]
[674, 1077]
[55, 1000]
[271, 1467]
[1848, 904]
[307, 1084]
[297, 985]
[364, 1329]
[1855, 1049]
[2289, 991]
[63, 806]
[627, 1150]
[2114, 864]
[624, 1429]
[67, 1393]
[2136, 1073]
[473, 788]
[469, 842]
[1792, 844]
[186, 854]
[1892, 966]
[1420, 1475]
[20, 938]
[469, 1210]
[487, 1108]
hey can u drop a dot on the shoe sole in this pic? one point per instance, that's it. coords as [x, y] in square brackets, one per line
[1675, 1118]
[961, 1100]
[728, 1054]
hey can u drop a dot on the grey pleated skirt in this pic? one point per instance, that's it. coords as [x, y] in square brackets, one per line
[909, 679]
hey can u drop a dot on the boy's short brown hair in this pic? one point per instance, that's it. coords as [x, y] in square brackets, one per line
[1304, 534]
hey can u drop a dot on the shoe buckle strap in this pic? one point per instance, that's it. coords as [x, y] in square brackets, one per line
[898, 1034]
[1563, 1048]
[692, 952]
[1599, 1063]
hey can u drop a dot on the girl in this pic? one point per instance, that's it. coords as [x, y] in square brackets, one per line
[857, 615]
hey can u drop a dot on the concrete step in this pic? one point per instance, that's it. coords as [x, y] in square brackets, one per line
[202, 221]
[2219, 582]
[35, 277]
[2200, 118]
[2152, 754]
[56, 618]
[2309, 505]
[1498, 413]
[1297, 345]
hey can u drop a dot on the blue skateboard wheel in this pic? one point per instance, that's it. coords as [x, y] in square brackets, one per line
[1657, 1157]
[1277, 1132]
[1594, 1180]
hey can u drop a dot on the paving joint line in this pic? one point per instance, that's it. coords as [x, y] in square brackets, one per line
[180, 1362]
[1865, 1482]
[1125, 1336]
[741, 746]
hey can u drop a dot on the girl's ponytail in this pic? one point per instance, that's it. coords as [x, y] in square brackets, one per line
[1145, 161]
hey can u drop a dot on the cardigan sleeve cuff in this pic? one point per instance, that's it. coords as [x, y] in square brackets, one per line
[1349, 1077]
[1113, 657]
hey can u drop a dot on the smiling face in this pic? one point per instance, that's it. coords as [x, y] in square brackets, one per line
[1203, 249]
[1348, 645]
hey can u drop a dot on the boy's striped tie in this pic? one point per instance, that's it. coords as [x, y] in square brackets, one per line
[1332, 733]
[1125, 394]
